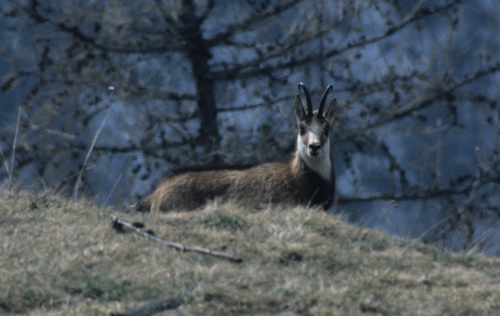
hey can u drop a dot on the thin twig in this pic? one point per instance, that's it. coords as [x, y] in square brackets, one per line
[481, 240]
[434, 226]
[122, 223]
[5, 162]
[11, 171]
[473, 192]
[112, 189]
[79, 179]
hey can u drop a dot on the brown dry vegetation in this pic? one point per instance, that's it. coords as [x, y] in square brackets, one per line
[63, 258]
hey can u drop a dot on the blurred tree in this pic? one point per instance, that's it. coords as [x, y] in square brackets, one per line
[416, 145]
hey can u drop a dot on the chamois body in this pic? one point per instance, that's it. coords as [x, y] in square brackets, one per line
[306, 178]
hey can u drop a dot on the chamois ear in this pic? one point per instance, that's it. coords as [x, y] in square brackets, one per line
[332, 109]
[300, 113]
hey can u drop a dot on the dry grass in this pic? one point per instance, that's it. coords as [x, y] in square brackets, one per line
[63, 258]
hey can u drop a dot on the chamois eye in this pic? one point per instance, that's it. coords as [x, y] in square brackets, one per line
[302, 130]
[327, 129]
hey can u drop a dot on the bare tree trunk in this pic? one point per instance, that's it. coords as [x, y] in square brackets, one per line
[199, 54]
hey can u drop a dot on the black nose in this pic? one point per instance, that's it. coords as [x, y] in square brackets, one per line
[314, 147]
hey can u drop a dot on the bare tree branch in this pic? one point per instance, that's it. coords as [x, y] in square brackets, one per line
[259, 66]
[438, 94]
[250, 22]
[420, 193]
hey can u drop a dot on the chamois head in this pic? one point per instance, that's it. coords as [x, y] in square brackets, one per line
[313, 143]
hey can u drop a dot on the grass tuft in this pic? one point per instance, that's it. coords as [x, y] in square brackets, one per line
[22, 299]
[220, 220]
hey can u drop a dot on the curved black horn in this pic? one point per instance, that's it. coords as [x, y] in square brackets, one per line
[323, 100]
[308, 99]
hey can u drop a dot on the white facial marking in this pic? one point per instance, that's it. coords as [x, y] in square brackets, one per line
[315, 154]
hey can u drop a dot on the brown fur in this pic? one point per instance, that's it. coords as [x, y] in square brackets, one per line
[289, 182]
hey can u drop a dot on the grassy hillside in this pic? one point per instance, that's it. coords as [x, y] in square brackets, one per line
[63, 258]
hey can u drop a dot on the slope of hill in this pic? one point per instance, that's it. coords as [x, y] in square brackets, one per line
[58, 257]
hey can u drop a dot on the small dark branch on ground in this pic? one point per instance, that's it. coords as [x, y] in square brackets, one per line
[156, 305]
[120, 224]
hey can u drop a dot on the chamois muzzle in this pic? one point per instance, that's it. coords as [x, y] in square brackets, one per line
[314, 149]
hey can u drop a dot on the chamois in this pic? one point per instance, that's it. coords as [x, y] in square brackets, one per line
[306, 178]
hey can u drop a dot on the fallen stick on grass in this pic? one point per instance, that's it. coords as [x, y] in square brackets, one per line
[119, 224]
[156, 305]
